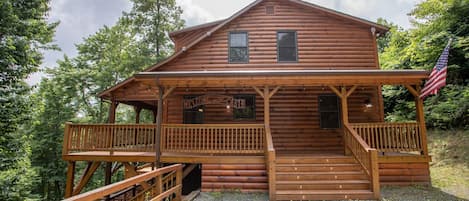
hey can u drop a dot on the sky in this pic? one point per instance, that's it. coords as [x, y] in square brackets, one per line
[81, 18]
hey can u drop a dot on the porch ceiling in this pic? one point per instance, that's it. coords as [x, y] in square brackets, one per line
[144, 86]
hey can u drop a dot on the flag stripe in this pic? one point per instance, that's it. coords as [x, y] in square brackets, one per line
[437, 78]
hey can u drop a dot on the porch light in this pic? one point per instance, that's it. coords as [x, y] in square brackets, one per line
[228, 107]
[368, 103]
[201, 110]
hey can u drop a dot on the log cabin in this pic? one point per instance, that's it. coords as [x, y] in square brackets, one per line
[282, 97]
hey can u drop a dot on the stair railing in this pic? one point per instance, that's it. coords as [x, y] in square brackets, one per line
[365, 155]
[270, 162]
[165, 184]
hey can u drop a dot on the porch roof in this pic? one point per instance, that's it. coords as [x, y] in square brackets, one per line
[134, 88]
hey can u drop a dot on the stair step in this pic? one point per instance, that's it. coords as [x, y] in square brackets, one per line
[325, 182]
[318, 160]
[324, 168]
[323, 194]
[362, 186]
[287, 176]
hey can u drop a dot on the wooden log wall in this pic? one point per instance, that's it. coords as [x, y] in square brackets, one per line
[404, 173]
[226, 177]
[294, 115]
[324, 42]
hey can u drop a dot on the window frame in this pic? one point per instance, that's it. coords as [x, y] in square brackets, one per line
[253, 108]
[296, 46]
[339, 113]
[229, 47]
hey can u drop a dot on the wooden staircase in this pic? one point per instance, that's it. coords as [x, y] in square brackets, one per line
[332, 177]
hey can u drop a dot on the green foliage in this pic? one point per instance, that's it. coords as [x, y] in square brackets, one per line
[434, 21]
[24, 32]
[104, 59]
[152, 20]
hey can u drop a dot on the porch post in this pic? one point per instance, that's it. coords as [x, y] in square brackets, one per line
[343, 94]
[111, 119]
[420, 117]
[137, 109]
[70, 179]
[159, 119]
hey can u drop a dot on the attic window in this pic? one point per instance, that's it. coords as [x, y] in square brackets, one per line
[270, 10]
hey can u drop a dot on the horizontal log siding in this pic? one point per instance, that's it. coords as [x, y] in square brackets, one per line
[226, 177]
[404, 173]
[324, 42]
[294, 115]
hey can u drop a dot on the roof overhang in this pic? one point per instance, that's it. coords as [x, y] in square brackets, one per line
[143, 87]
[283, 78]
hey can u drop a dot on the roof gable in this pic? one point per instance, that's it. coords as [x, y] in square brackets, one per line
[223, 23]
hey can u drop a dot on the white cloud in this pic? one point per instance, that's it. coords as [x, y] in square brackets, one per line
[193, 14]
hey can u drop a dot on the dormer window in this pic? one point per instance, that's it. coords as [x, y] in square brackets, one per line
[287, 46]
[238, 47]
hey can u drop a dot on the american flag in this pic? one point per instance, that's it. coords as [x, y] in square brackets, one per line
[437, 78]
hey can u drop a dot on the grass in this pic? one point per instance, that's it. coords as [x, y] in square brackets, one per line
[449, 171]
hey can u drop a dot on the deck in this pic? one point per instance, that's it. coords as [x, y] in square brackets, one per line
[377, 153]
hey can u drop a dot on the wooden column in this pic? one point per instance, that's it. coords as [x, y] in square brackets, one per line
[70, 179]
[155, 113]
[108, 165]
[112, 111]
[138, 110]
[159, 120]
[420, 117]
[343, 94]
[270, 151]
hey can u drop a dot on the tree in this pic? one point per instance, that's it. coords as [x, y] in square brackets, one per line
[152, 20]
[434, 22]
[24, 32]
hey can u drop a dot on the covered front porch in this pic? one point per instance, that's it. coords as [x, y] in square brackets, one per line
[369, 143]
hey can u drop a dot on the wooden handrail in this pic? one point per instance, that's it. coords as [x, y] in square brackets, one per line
[213, 138]
[109, 137]
[122, 185]
[365, 155]
[270, 157]
[391, 137]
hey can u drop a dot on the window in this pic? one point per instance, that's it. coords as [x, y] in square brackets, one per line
[248, 112]
[286, 46]
[238, 51]
[329, 111]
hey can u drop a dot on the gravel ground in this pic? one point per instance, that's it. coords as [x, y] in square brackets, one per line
[409, 193]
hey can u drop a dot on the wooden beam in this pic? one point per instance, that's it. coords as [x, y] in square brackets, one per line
[258, 91]
[266, 107]
[349, 92]
[112, 111]
[337, 92]
[159, 120]
[70, 179]
[412, 90]
[130, 172]
[188, 170]
[421, 120]
[107, 173]
[168, 92]
[272, 93]
[138, 110]
[87, 174]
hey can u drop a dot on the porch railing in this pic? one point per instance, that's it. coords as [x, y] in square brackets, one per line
[365, 155]
[391, 137]
[160, 184]
[109, 137]
[213, 138]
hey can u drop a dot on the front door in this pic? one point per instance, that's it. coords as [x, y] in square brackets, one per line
[193, 115]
